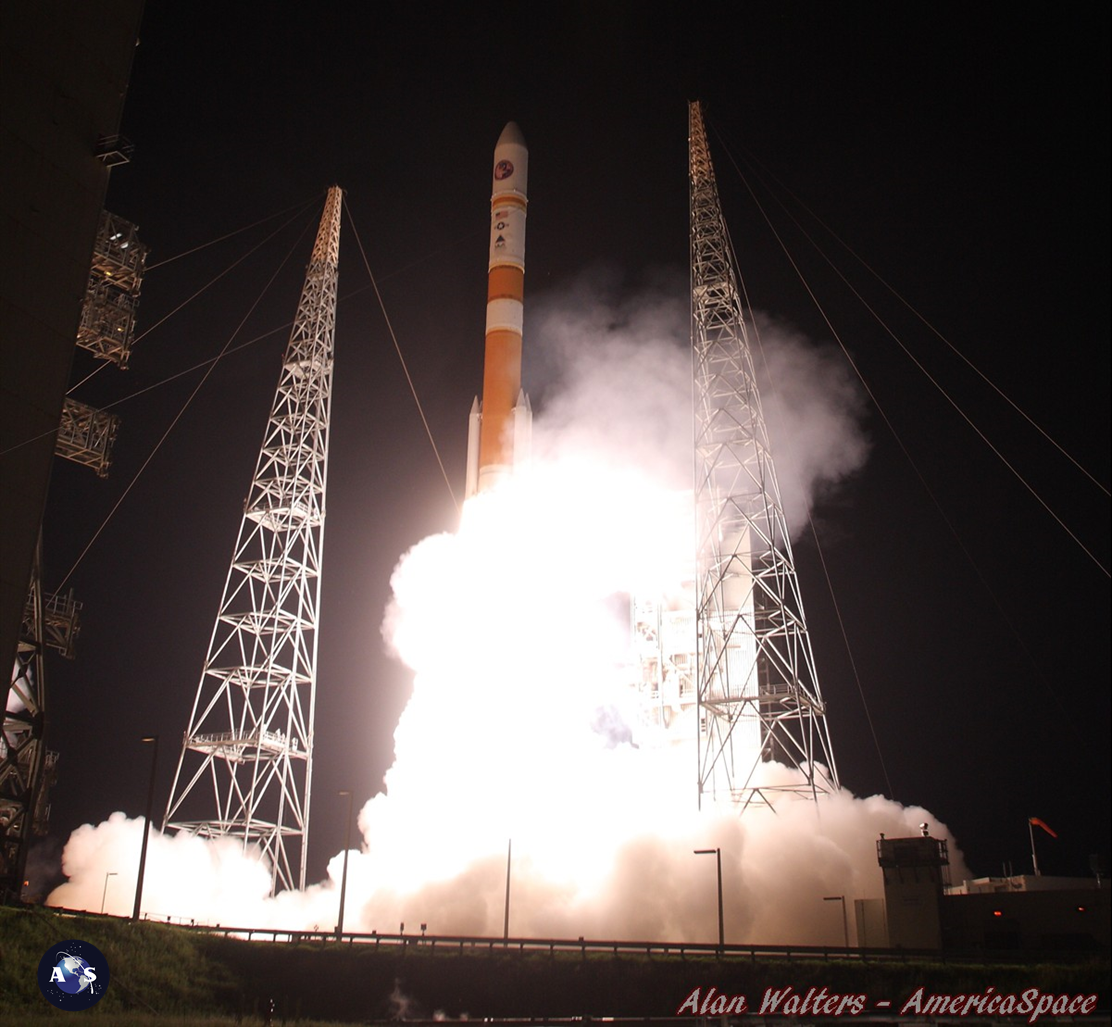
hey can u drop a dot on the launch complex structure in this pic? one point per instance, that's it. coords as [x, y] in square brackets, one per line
[249, 743]
[757, 691]
[728, 672]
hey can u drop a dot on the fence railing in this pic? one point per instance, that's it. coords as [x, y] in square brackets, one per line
[432, 944]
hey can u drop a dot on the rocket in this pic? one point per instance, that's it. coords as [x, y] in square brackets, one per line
[500, 427]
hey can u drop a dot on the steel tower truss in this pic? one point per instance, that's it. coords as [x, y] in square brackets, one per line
[22, 749]
[27, 767]
[249, 744]
[757, 691]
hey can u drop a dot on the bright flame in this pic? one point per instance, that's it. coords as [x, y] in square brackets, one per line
[517, 644]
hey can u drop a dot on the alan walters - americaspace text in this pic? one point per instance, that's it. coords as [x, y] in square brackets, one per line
[1031, 1004]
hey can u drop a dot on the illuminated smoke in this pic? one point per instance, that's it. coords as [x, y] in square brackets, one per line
[813, 407]
[622, 367]
[521, 723]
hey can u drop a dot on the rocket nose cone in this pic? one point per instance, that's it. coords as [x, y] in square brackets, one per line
[511, 134]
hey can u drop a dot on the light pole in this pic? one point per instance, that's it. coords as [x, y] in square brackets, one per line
[104, 894]
[506, 918]
[845, 921]
[717, 853]
[344, 878]
[146, 829]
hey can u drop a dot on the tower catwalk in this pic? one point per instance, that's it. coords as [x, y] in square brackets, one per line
[757, 692]
[249, 743]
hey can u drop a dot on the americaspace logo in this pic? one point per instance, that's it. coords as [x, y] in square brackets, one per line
[73, 975]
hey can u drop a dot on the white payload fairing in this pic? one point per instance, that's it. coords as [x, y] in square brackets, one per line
[501, 425]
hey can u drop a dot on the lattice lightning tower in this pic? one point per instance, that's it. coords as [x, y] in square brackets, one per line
[757, 691]
[250, 735]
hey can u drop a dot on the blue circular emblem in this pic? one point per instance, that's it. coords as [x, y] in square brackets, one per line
[73, 975]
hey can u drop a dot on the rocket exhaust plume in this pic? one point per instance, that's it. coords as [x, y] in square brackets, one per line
[511, 666]
[522, 723]
[499, 428]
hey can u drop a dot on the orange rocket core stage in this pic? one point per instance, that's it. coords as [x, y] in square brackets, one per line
[501, 373]
[500, 428]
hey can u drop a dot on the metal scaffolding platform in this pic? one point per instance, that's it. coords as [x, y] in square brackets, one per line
[115, 280]
[61, 623]
[114, 150]
[86, 435]
[107, 321]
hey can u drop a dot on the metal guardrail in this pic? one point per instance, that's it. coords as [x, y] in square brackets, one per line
[475, 945]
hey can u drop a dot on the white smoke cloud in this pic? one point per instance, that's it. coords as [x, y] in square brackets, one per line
[813, 408]
[621, 362]
[187, 878]
[615, 375]
[521, 719]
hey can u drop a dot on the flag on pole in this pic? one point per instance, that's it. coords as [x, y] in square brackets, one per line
[1038, 823]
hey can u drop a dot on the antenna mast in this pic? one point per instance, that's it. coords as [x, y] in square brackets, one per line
[250, 735]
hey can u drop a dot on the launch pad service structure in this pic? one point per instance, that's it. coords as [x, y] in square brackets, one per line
[726, 668]
[248, 750]
[757, 688]
[500, 427]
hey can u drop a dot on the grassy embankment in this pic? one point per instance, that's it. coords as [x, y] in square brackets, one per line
[175, 976]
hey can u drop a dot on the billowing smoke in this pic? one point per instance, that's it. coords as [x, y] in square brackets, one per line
[522, 725]
[813, 407]
[618, 366]
[614, 376]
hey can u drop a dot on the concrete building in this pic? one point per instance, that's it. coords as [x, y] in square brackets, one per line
[1048, 914]
[1026, 913]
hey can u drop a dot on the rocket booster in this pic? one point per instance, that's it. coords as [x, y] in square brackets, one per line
[500, 428]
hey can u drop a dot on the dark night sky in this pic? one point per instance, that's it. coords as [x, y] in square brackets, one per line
[961, 150]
